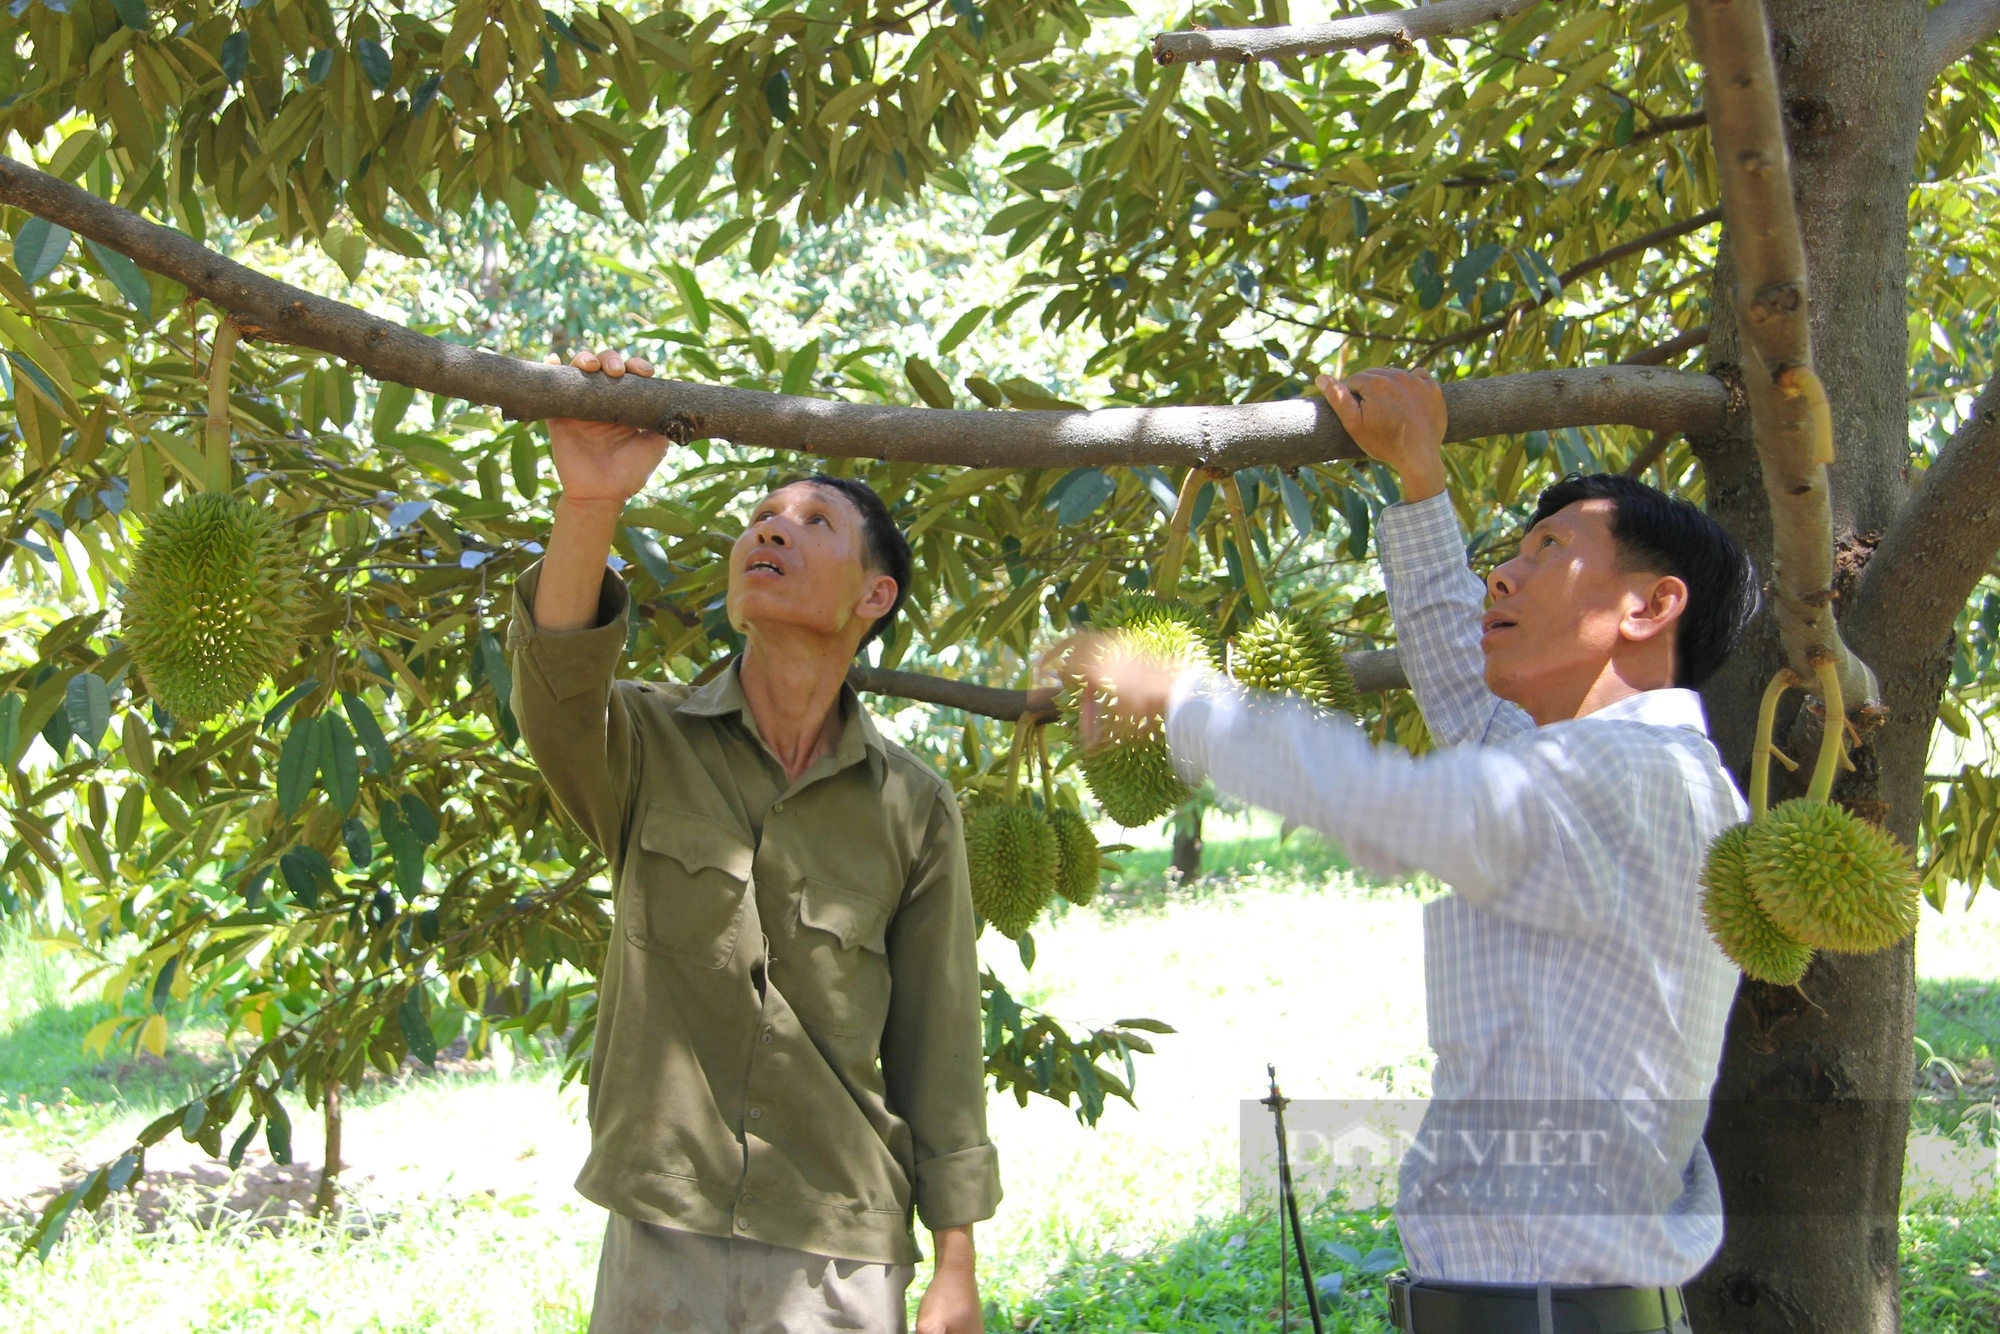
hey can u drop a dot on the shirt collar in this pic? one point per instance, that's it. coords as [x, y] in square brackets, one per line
[724, 695]
[1675, 707]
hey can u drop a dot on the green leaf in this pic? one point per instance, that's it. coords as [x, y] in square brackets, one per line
[298, 764]
[691, 297]
[132, 13]
[961, 329]
[1007, 219]
[764, 245]
[405, 848]
[306, 872]
[10, 727]
[417, 1029]
[242, 1144]
[931, 387]
[369, 732]
[392, 400]
[1296, 506]
[339, 765]
[799, 370]
[38, 247]
[1087, 491]
[87, 701]
[422, 823]
[376, 67]
[360, 847]
[126, 276]
[722, 238]
[523, 460]
[278, 1133]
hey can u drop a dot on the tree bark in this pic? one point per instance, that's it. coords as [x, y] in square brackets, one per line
[1811, 1111]
[1953, 29]
[1187, 845]
[1233, 436]
[326, 1198]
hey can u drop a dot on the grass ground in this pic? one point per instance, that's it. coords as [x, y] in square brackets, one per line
[461, 1214]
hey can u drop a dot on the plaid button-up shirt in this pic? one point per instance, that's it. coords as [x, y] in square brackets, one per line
[1570, 967]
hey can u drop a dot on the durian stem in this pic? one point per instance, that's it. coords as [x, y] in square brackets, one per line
[1022, 727]
[1048, 770]
[1833, 743]
[1253, 577]
[1167, 577]
[221, 354]
[1761, 752]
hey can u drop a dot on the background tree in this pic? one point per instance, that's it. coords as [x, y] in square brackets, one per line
[1533, 194]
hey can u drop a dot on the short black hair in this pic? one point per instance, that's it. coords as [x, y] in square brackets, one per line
[886, 550]
[1662, 534]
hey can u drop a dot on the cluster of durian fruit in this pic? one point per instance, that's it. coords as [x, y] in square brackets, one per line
[1021, 858]
[1807, 874]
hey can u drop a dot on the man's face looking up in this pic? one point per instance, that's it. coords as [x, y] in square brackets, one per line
[802, 565]
[1566, 607]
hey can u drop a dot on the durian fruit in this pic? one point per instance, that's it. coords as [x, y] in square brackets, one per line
[1076, 856]
[1012, 853]
[1745, 931]
[1130, 773]
[213, 603]
[1831, 879]
[1292, 654]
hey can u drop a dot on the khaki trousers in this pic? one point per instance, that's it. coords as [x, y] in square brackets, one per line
[661, 1280]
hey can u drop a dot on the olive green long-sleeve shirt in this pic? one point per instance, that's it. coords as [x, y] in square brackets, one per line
[788, 1039]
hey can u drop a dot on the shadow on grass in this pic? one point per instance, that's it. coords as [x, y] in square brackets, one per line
[1222, 1274]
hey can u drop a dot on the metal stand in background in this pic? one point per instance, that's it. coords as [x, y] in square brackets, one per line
[1276, 1102]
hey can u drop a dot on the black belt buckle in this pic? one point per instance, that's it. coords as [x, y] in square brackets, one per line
[1399, 1301]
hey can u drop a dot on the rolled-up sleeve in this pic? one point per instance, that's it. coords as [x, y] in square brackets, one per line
[933, 1054]
[571, 712]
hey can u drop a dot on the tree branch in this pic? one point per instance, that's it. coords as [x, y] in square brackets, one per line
[1686, 341]
[1581, 269]
[1372, 668]
[1951, 31]
[1788, 406]
[1400, 28]
[1286, 433]
[1938, 546]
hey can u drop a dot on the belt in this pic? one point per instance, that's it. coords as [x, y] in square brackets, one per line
[1434, 1306]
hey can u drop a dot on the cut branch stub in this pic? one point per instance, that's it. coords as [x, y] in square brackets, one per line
[1286, 433]
[1399, 28]
[1788, 410]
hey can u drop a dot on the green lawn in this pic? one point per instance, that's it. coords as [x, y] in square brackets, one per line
[461, 1214]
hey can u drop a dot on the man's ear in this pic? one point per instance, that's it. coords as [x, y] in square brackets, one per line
[1666, 599]
[878, 594]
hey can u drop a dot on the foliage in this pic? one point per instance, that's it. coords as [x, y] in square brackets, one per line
[363, 863]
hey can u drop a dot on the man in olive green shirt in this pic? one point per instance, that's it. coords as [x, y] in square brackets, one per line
[788, 1056]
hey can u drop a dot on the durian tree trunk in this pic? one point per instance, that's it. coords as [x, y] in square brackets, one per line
[1187, 844]
[1811, 1111]
[326, 1198]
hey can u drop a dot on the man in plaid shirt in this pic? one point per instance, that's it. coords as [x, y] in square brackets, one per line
[1575, 1000]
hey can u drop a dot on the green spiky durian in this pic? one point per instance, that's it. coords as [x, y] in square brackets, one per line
[1292, 654]
[1745, 931]
[1131, 774]
[212, 606]
[1831, 879]
[1011, 853]
[1076, 856]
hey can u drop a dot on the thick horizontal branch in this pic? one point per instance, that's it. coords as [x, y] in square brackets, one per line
[1372, 668]
[1788, 405]
[1581, 269]
[1952, 29]
[1287, 433]
[1400, 28]
[1936, 550]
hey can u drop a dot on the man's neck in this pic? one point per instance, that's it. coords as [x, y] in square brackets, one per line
[1564, 701]
[792, 685]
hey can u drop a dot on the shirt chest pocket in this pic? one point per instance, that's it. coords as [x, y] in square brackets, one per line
[685, 886]
[836, 972]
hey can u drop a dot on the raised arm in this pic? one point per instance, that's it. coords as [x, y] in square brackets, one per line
[568, 631]
[1398, 418]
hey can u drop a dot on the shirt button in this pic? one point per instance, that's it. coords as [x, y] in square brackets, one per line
[742, 1225]
[756, 1113]
[777, 806]
[766, 1036]
[747, 1197]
